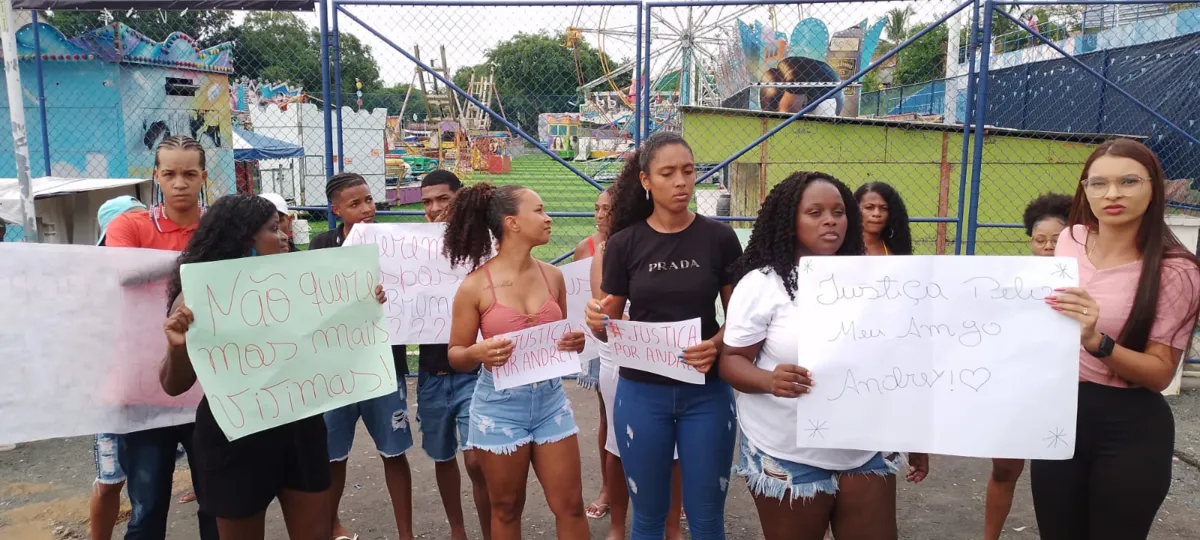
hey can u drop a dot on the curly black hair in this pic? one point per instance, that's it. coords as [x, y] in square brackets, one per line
[1049, 205]
[476, 216]
[629, 202]
[897, 233]
[773, 242]
[225, 232]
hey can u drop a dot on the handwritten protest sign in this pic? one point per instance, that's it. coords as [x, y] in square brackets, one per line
[81, 341]
[946, 355]
[280, 338]
[655, 347]
[419, 281]
[535, 356]
[577, 276]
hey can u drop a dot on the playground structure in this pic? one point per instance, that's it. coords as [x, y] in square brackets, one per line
[453, 136]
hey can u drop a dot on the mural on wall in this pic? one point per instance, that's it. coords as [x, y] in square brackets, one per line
[766, 69]
[114, 80]
[245, 93]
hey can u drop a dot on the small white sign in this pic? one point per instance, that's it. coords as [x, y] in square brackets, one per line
[577, 276]
[947, 355]
[536, 358]
[656, 347]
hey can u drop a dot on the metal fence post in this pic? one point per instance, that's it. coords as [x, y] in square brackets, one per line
[637, 77]
[327, 112]
[980, 126]
[335, 52]
[41, 87]
[968, 123]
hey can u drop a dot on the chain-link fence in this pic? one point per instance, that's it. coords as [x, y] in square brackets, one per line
[555, 96]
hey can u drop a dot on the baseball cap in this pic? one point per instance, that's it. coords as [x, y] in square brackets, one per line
[277, 200]
[113, 208]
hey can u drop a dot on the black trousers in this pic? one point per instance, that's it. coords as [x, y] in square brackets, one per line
[1121, 472]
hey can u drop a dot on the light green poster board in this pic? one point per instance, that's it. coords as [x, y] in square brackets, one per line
[284, 337]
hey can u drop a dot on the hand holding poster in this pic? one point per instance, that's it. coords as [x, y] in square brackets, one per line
[419, 281]
[656, 347]
[946, 355]
[280, 338]
[535, 356]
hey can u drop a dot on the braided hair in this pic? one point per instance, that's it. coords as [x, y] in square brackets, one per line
[1049, 205]
[629, 201]
[773, 244]
[225, 232]
[476, 216]
[180, 142]
[339, 182]
[897, 233]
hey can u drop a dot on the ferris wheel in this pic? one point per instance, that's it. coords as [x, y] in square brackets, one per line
[686, 53]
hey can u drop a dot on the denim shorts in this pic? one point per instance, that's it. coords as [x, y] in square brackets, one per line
[443, 404]
[773, 477]
[591, 378]
[108, 467]
[386, 418]
[504, 420]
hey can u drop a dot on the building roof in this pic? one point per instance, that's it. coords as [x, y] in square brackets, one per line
[118, 43]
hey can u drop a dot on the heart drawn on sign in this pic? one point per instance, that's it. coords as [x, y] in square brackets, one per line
[975, 378]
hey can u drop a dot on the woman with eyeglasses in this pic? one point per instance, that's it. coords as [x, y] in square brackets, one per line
[1136, 304]
[1044, 219]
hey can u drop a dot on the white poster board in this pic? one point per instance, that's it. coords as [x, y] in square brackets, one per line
[81, 341]
[419, 281]
[577, 276]
[656, 347]
[536, 358]
[946, 355]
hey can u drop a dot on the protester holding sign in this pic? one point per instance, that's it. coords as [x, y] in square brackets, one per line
[1131, 341]
[670, 264]
[1044, 218]
[513, 291]
[237, 480]
[386, 417]
[444, 395]
[885, 220]
[587, 248]
[800, 492]
[148, 457]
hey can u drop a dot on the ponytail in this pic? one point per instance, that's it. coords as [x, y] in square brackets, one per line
[476, 216]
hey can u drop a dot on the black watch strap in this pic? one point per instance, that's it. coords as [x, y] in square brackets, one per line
[1106, 347]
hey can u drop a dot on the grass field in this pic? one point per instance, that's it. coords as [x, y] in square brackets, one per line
[561, 189]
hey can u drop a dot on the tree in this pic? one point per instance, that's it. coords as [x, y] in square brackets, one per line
[924, 59]
[205, 26]
[392, 99]
[896, 29]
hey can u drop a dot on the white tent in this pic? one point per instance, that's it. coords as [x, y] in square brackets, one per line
[66, 207]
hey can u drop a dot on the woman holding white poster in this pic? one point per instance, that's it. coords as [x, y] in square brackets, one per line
[671, 265]
[524, 425]
[237, 480]
[1131, 342]
[1044, 219]
[799, 492]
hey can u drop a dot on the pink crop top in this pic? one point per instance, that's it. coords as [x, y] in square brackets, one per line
[500, 319]
[1114, 289]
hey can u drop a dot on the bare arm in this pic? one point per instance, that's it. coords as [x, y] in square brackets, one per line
[1153, 369]
[581, 251]
[175, 373]
[464, 328]
[738, 369]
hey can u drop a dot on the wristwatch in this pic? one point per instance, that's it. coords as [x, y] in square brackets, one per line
[1106, 347]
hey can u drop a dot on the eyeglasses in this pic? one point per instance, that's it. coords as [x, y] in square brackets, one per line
[1098, 187]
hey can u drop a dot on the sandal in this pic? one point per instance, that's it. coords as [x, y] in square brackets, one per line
[345, 537]
[597, 510]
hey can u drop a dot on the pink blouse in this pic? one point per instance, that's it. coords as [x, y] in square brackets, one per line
[1114, 289]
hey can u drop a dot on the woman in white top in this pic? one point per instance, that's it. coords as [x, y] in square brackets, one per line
[799, 492]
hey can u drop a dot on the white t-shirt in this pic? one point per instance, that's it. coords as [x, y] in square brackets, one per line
[761, 311]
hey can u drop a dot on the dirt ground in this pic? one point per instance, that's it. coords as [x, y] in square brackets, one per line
[44, 491]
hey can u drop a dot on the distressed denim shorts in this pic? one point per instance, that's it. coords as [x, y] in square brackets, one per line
[504, 420]
[591, 378]
[386, 419]
[773, 477]
[108, 467]
[443, 412]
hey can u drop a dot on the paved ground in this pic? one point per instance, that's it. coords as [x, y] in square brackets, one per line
[44, 489]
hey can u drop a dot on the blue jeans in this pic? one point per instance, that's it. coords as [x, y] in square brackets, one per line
[148, 458]
[444, 412]
[651, 421]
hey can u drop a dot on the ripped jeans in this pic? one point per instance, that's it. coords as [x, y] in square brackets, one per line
[651, 420]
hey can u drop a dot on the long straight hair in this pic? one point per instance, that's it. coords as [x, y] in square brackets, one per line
[1155, 242]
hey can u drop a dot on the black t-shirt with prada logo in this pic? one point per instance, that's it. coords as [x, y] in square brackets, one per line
[671, 277]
